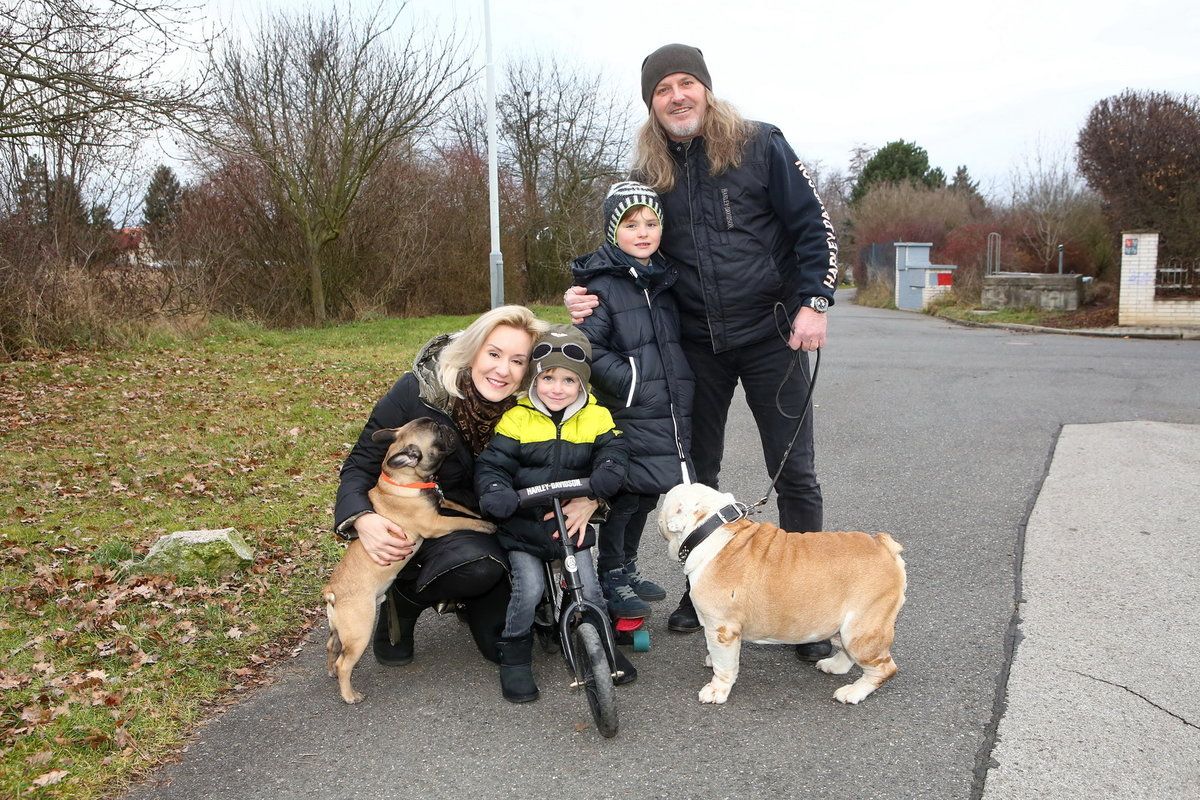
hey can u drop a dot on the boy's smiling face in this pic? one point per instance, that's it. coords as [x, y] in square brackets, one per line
[557, 387]
[639, 233]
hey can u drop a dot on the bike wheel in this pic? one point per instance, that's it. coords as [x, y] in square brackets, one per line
[597, 678]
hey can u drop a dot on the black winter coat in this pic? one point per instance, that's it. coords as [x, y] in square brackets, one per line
[752, 236]
[417, 394]
[638, 368]
[530, 449]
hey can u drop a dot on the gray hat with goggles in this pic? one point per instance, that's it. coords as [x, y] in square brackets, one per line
[563, 346]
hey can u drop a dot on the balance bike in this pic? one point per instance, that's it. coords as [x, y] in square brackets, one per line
[583, 631]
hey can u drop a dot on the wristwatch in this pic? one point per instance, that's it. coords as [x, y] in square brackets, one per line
[817, 304]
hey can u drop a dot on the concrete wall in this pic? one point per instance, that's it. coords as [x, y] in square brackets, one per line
[1137, 304]
[1051, 292]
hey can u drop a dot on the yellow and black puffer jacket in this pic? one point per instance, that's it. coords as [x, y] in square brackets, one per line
[531, 448]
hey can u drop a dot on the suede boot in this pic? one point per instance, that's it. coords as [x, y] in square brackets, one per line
[684, 619]
[393, 641]
[516, 669]
[644, 588]
[622, 600]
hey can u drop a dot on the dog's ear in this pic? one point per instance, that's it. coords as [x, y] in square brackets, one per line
[384, 435]
[408, 457]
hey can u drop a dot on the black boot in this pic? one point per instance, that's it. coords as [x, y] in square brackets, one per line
[516, 669]
[393, 642]
[814, 651]
[624, 665]
[684, 619]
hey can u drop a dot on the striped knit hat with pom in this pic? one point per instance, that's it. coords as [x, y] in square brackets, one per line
[623, 196]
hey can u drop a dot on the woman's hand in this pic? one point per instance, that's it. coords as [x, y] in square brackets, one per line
[383, 540]
[578, 511]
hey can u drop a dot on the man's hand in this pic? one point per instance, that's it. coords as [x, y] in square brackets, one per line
[578, 510]
[579, 303]
[383, 540]
[808, 331]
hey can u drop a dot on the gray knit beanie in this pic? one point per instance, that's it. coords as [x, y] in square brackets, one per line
[623, 196]
[669, 59]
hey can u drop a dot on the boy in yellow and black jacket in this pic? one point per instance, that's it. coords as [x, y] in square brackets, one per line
[557, 432]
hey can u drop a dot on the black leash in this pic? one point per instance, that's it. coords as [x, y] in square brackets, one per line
[812, 383]
[736, 510]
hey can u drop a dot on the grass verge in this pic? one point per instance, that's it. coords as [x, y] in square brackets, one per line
[102, 452]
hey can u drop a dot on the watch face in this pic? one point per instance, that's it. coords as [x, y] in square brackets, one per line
[819, 304]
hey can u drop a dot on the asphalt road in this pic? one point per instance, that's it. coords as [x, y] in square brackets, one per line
[939, 434]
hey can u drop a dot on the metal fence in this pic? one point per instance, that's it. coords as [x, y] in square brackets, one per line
[1178, 277]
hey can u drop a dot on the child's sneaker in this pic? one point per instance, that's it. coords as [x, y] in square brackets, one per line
[623, 602]
[645, 589]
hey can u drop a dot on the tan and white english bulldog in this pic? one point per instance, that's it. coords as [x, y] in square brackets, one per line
[753, 581]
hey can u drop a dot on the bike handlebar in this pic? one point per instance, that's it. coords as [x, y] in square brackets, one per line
[545, 493]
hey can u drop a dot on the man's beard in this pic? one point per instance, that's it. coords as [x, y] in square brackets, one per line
[684, 130]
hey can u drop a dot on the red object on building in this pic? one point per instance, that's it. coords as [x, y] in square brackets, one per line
[945, 279]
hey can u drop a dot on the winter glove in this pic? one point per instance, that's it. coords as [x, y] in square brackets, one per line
[499, 503]
[606, 481]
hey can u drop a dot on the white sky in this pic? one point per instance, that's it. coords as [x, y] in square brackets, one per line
[973, 86]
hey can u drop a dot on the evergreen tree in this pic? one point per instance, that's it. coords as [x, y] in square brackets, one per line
[962, 181]
[898, 162]
[160, 206]
[962, 184]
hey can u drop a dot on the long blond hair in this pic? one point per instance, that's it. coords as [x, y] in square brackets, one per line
[725, 133]
[464, 345]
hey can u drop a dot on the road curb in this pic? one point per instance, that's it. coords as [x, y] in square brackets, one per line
[1112, 333]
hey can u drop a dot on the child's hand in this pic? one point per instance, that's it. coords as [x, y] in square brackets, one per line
[499, 503]
[578, 511]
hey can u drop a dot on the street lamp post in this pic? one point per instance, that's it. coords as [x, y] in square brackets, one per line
[495, 260]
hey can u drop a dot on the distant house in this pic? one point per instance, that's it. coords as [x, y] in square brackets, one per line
[133, 249]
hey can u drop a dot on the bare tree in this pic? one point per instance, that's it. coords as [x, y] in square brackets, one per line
[65, 62]
[319, 101]
[566, 136]
[1046, 192]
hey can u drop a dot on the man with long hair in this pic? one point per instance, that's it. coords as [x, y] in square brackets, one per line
[757, 259]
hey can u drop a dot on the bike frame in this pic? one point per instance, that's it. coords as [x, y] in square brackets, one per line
[575, 607]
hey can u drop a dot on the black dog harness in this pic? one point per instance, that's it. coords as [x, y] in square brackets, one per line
[723, 516]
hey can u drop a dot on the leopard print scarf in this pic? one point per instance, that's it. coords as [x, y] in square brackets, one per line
[475, 416]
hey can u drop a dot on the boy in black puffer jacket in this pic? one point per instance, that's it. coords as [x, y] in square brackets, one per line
[557, 432]
[640, 374]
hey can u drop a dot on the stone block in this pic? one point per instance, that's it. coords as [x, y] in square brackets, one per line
[210, 554]
[1049, 292]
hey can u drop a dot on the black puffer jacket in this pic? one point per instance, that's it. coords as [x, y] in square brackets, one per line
[639, 372]
[531, 448]
[417, 394]
[745, 239]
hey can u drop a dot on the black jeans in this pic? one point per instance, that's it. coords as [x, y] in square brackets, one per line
[481, 585]
[621, 533]
[760, 367]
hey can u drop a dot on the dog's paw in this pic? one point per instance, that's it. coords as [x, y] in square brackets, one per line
[837, 664]
[355, 697]
[714, 693]
[852, 693]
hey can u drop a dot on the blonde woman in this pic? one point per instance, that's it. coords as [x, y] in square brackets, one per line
[466, 380]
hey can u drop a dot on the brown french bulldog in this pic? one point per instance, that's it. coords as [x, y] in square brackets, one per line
[405, 496]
